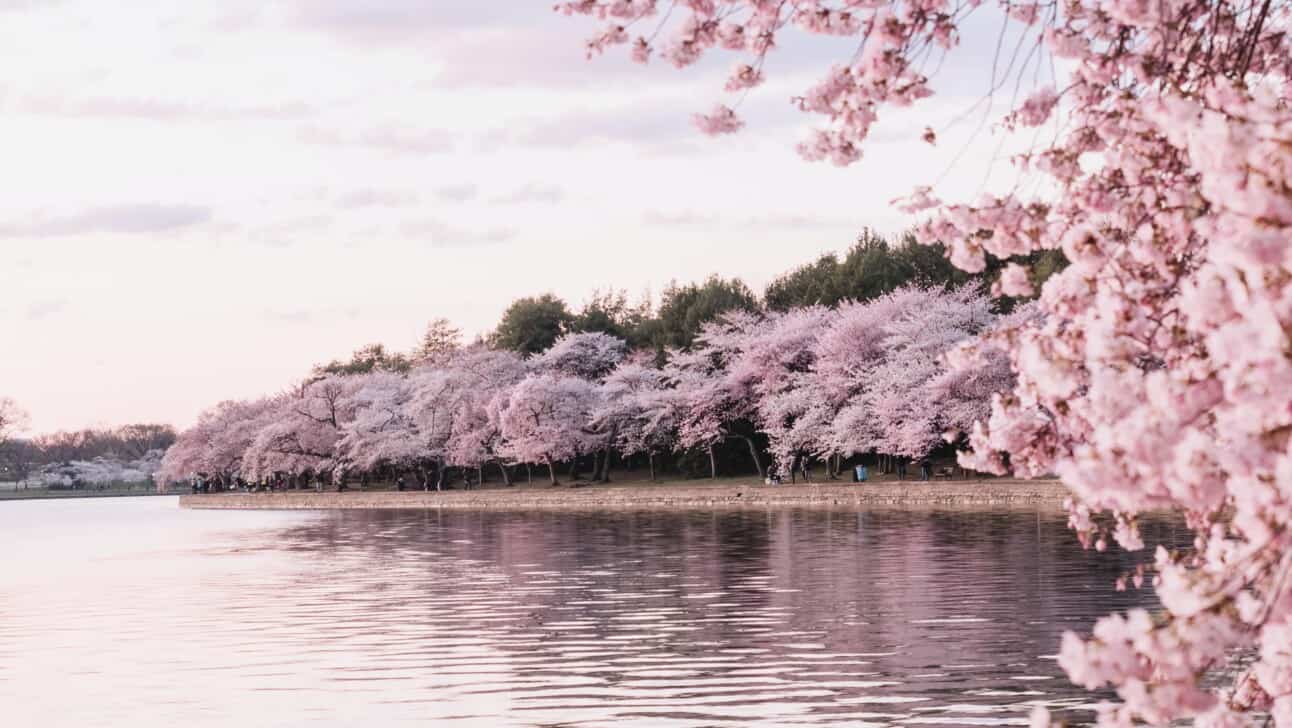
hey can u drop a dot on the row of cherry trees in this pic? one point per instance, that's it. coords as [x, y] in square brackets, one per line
[815, 382]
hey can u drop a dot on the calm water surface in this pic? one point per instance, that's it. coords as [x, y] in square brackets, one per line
[131, 612]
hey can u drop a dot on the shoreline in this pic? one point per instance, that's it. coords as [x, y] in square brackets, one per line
[79, 496]
[992, 494]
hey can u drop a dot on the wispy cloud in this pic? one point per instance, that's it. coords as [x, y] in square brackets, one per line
[383, 22]
[373, 197]
[642, 126]
[157, 109]
[535, 192]
[681, 218]
[125, 219]
[302, 316]
[457, 193]
[393, 140]
[444, 235]
[797, 222]
[38, 310]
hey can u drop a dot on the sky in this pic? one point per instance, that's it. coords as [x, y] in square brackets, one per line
[206, 198]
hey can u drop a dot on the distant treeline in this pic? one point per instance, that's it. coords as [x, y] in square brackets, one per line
[21, 458]
[842, 357]
[870, 268]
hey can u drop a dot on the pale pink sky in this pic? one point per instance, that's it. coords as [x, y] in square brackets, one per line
[206, 198]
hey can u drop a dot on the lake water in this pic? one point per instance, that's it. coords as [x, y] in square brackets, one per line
[134, 613]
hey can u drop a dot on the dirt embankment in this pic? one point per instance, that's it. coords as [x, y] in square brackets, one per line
[987, 493]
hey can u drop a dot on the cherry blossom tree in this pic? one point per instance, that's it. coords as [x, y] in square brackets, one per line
[712, 406]
[591, 356]
[13, 419]
[546, 418]
[851, 348]
[481, 378]
[771, 368]
[588, 355]
[638, 410]
[908, 414]
[977, 370]
[384, 430]
[304, 433]
[1160, 374]
[217, 445]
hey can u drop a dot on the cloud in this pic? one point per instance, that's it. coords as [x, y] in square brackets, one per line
[799, 222]
[382, 22]
[660, 124]
[158, 109]
[457, 193]
[443, 235]
[697, 219]
[394, 140]
[42, 309]
[640, 125]
[535, 192]
[371, 197]
[17, 5]
[284, 233]
[290, 317]
[684, 218]
[301, 316]
[122, 219]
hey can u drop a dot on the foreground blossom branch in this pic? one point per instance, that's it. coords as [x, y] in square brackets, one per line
[1160, 373]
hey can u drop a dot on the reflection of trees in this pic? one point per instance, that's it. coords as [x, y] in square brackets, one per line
[962, 600]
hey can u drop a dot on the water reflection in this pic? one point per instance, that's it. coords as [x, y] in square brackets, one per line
[138, 613]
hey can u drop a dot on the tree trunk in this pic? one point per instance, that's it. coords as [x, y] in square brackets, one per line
[713, 464]
[506, 477]
[529, 474]
[551, 472]
[439, 474]
[753, 453]
[480, 475]
[650, 458]
[794, 466]
[605, 465]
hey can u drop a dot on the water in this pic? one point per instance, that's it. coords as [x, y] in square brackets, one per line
[132, 612]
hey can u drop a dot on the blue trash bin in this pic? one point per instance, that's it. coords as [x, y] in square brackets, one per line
[861, 473]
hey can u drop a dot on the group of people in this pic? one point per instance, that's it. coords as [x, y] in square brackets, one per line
[926, 468]
[203, 484]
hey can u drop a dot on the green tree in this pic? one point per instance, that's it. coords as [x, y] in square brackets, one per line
[439, 341]
[370, 358]
[684, 309]
[873, 266]
[532, 324]
[610, 313]
[816, 282]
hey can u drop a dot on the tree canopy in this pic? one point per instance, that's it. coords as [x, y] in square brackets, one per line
[532, 324]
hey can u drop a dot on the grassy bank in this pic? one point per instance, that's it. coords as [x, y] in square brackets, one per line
[8, 492]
